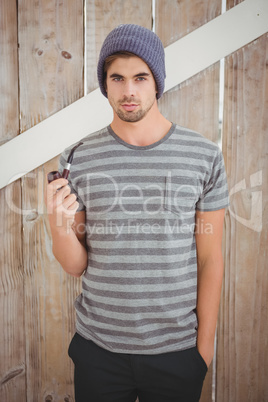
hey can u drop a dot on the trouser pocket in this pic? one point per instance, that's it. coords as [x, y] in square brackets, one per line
[201, 361]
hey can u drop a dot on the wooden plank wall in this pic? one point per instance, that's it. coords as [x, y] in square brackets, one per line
[12, 338]
[51, 77]
[242, 358]
[45, 74]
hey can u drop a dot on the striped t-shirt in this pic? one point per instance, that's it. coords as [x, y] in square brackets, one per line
[139, 289]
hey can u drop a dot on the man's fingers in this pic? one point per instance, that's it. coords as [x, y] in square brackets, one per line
[63, 192]
[68, 201]
[74, 206]
[55, 185]
[60, 195]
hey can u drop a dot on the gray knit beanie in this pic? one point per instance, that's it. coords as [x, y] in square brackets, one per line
[140, 41]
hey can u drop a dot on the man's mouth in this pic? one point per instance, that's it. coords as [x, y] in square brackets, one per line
[129, 107]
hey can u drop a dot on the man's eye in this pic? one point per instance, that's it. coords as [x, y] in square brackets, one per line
[140, 78]
[116, 79]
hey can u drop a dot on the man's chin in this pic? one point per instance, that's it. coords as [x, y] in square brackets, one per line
[130, 117]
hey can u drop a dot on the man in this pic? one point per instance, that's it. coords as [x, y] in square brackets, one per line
[141, 219]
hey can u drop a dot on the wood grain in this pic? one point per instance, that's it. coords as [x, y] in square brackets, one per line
[12, 336]
[232, 3]
[51, 77]
[242, 333]
[51, 64]
[194, 103]
[9, 83]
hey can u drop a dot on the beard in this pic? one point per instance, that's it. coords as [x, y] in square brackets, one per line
[133, 116]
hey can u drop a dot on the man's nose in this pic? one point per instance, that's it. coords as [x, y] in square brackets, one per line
[129, 88]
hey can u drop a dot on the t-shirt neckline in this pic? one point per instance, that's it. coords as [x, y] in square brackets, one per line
[145, 147]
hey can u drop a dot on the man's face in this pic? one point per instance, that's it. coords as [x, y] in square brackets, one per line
[131, 88]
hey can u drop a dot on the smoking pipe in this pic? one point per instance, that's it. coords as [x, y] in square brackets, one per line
[56, 175]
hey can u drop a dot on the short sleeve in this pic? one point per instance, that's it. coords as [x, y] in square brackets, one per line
[215, 192]
[74, 190]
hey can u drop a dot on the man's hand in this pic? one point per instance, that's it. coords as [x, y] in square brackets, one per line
[68, 244]
[61, 205]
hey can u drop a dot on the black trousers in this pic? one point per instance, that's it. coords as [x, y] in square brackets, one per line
[103, 376]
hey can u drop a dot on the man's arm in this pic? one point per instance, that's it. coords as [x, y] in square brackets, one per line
[67, 228]
[209, 228]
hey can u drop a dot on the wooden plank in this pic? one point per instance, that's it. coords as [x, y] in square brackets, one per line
[53, 72]
[51, 77]
[194, 103]
[12, 337]
[9, 108]
[232, 3]
[102, 17]
[242, 363]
